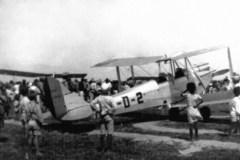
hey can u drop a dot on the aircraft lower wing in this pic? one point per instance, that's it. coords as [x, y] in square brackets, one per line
[211, 98]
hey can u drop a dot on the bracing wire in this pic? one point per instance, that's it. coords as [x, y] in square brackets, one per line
[127, 69]
[123, 73]
[144, 70]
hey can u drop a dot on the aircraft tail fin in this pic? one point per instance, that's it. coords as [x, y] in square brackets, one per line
[54, 99]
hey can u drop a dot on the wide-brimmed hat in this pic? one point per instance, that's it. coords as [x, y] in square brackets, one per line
[32, 94]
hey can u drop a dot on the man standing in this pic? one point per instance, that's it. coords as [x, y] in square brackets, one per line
[105, 106]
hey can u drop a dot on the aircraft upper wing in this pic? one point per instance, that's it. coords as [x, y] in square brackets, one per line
[33, 74]
[130, 61]
[197, 52]
[73, 75]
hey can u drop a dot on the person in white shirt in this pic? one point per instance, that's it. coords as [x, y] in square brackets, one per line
[234, 110]
[227, 85]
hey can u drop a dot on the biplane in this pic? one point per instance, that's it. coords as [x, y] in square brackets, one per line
[66, 106]
[166, 89]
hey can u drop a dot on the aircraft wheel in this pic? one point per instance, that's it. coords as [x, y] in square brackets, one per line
[173, 114]
[205, 112]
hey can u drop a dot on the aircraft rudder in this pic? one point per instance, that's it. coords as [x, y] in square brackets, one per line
[54, 98]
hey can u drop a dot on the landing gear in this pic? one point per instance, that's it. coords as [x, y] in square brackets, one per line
[174, 114]
[205, 112]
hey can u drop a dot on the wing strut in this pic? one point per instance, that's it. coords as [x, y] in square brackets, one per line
[119, 79]
[196, 74]
[132, 71]
[230, 63]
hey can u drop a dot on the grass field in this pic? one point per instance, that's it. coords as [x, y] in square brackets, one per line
[64, 146]
[70, 142]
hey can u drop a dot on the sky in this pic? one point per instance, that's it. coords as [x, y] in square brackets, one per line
[73, 35]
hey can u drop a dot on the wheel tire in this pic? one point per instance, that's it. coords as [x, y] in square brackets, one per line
[206, 113]
[173, 114]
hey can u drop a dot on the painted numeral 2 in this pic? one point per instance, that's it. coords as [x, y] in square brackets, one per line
[126, 101]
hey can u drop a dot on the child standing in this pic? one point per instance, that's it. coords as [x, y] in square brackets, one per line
[34, 121]
[234, 110]
[192, 108]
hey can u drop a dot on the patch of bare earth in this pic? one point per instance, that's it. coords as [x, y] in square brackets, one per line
[186, 148]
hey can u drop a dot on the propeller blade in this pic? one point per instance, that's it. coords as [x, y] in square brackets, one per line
[221, 72]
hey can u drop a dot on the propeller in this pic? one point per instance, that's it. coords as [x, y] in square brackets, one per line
[220, 72]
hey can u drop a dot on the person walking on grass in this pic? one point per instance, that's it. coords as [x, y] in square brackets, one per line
[193, 114]
[34, 122]
[234, 111]
[105, 106]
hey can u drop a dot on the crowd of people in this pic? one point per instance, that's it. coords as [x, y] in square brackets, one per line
[27, 101]
[220, 85]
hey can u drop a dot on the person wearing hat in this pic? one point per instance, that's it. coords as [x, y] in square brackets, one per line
[105, 106]
[34, 122]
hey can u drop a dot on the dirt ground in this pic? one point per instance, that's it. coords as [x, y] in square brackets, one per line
[186, 148]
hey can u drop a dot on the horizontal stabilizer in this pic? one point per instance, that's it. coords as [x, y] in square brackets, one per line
[78, 113]
[73, 101]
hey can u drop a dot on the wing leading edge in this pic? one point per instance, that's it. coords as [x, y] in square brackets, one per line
[33, 74]
[130, 61]
[198, 52]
